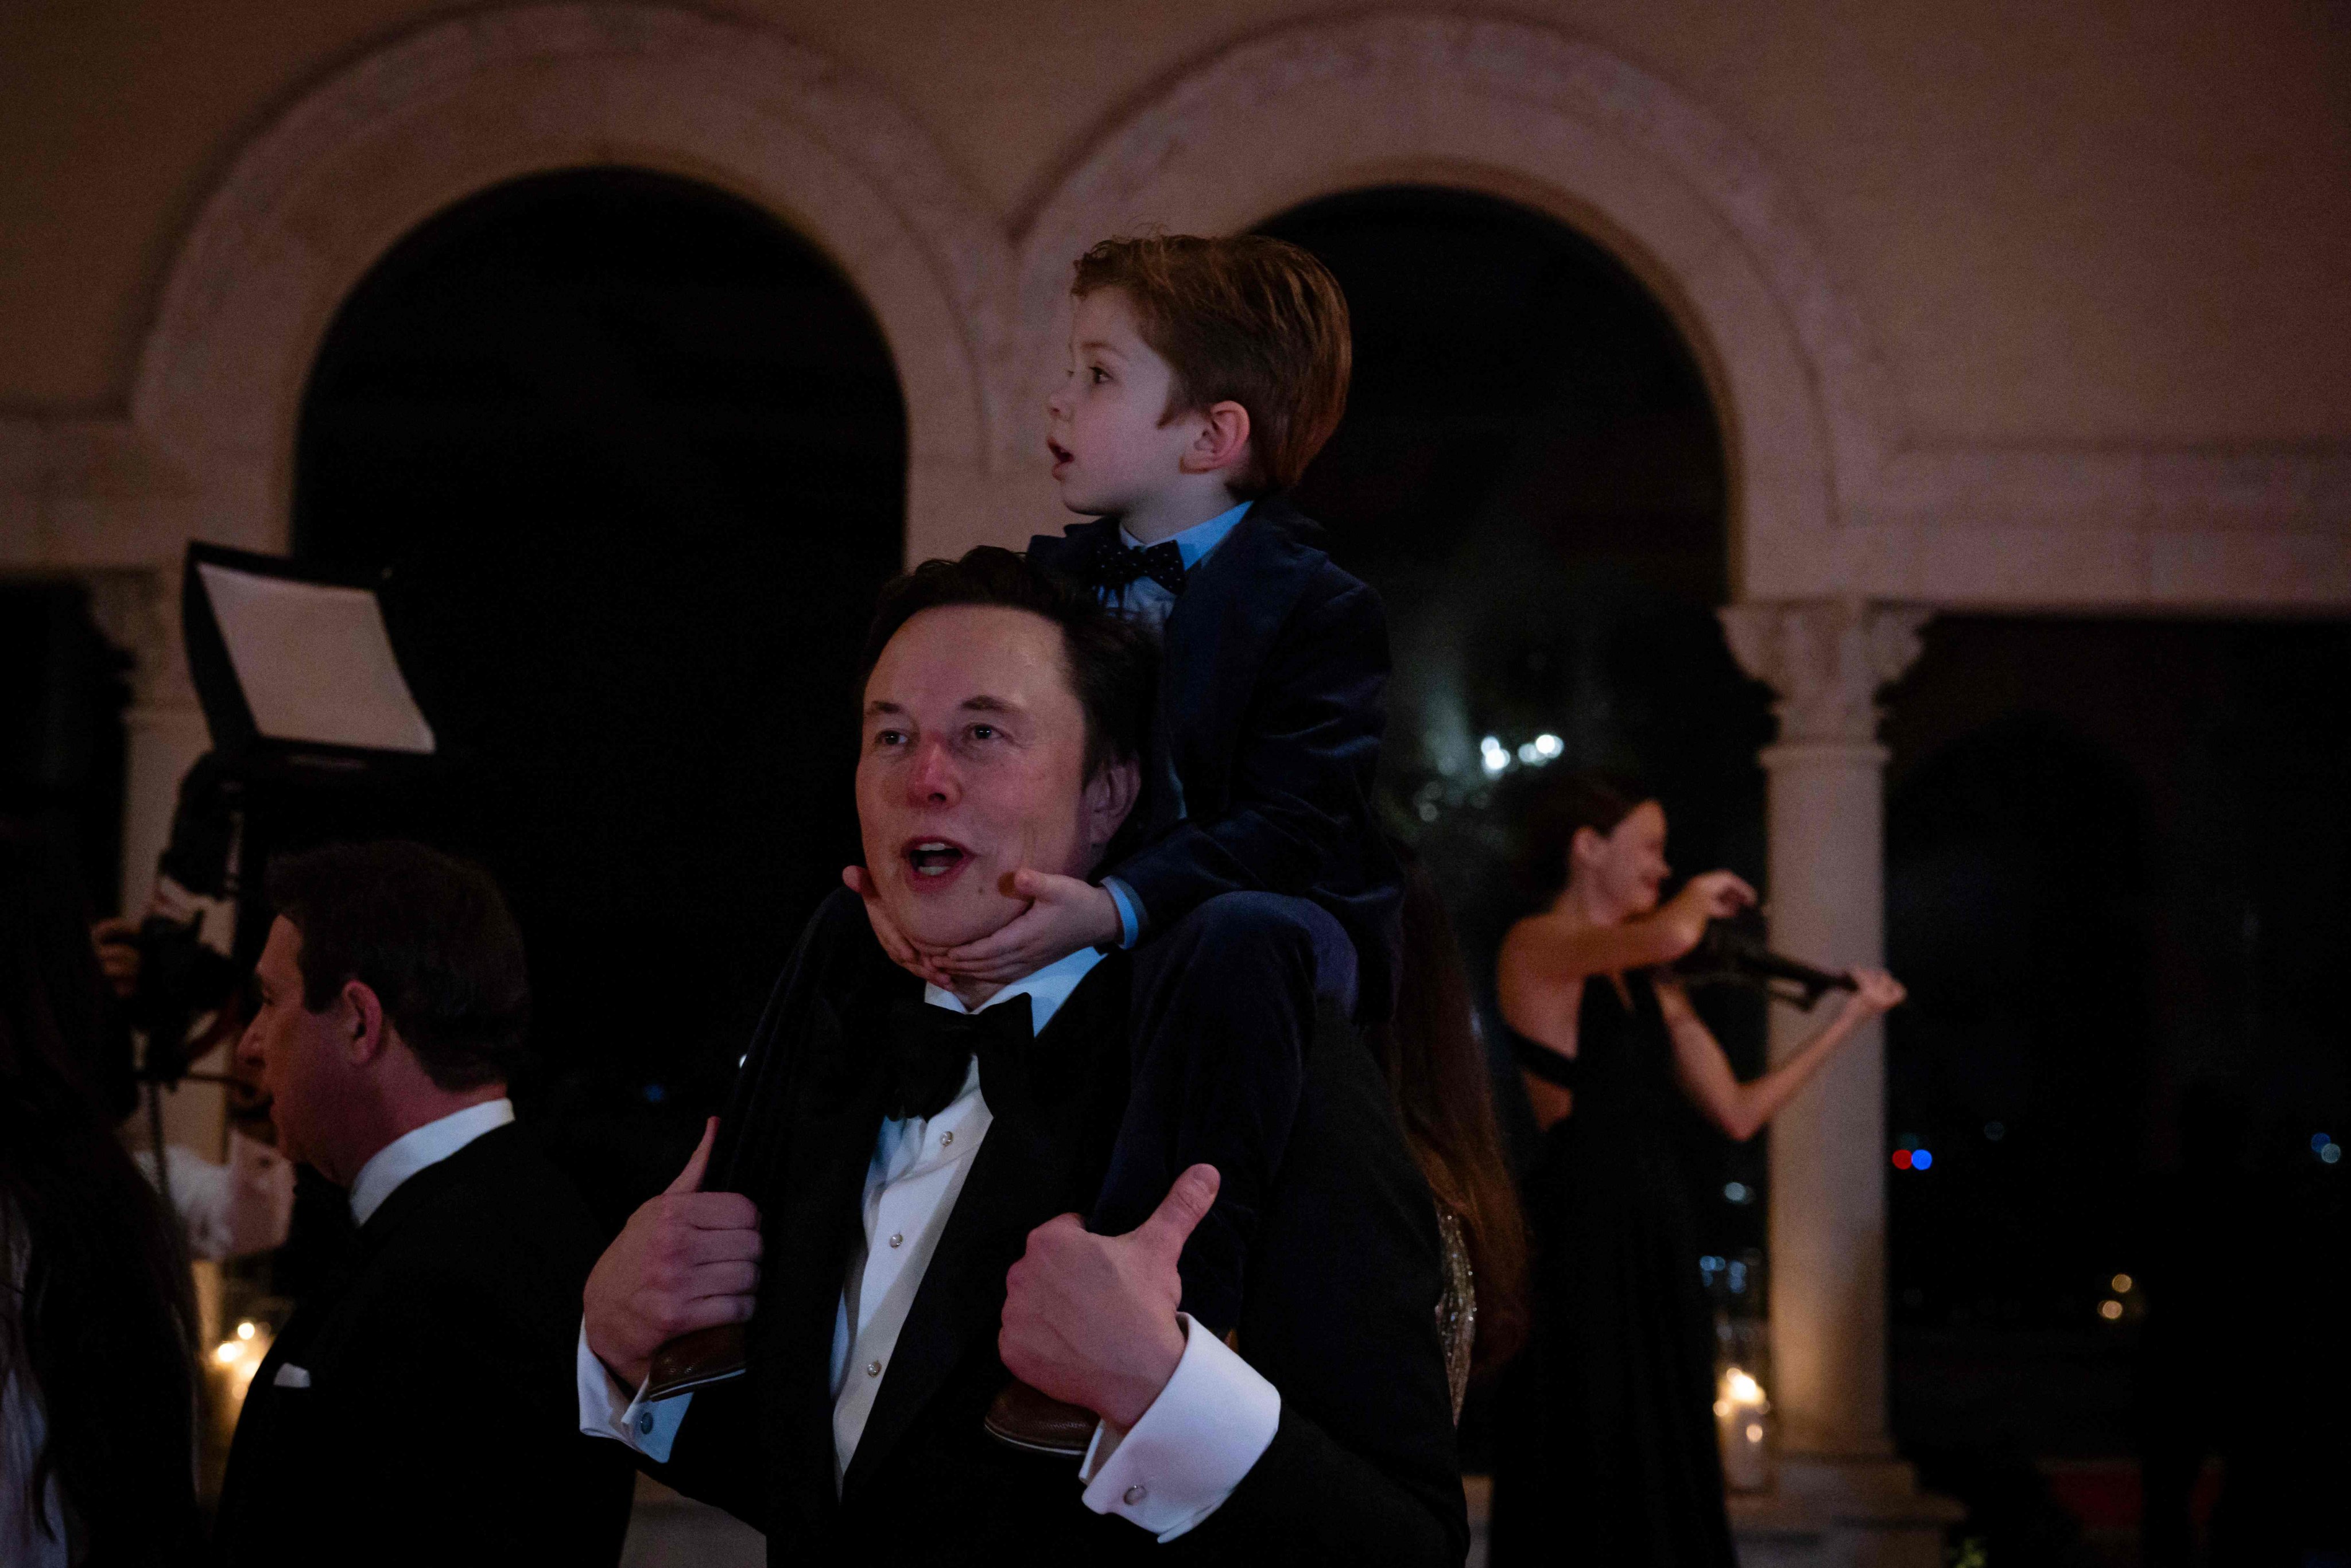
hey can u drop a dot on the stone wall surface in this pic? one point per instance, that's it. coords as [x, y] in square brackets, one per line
[1999, 312]
[2096, 222]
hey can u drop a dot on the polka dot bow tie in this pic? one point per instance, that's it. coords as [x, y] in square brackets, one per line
[1116, 565]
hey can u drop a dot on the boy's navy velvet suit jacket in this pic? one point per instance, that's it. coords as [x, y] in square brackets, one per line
[1273, 683]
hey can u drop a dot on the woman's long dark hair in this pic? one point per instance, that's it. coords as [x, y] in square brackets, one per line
[1594, 799]
[103, 1323]
[1445, 1100]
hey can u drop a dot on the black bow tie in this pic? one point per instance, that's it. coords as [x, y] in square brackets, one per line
[930, 1049]
[1115, 565]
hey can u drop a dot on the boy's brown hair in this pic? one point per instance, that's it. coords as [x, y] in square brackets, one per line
[1244, 318]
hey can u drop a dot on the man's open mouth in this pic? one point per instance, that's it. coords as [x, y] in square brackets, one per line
[1061, 454]
[934, 857]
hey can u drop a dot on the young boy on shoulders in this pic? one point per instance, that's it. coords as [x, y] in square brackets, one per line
[1203, 374]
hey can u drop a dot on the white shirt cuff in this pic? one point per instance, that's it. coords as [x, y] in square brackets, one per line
[1178, 1464]
[649, 1428]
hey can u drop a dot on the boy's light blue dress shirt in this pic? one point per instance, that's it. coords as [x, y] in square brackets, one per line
[1147, 602]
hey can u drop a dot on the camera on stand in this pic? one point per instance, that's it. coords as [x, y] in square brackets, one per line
[315, 736]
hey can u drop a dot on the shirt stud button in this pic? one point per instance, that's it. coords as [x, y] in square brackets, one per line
[1137, 1494]
[872, 1369]
[898, 1239]
[945, 1138]
[645, 1423]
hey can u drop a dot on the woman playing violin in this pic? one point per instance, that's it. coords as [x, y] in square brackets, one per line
[1605, 1450]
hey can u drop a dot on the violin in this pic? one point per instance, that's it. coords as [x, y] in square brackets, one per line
[1733, 953]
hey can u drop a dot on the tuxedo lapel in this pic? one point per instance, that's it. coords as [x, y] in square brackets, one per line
[1054, 1112]
[812, 1213]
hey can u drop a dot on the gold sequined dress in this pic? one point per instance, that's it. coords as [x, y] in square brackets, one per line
[1457, 1310]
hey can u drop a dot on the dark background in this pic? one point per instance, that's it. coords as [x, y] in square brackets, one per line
[634, 456]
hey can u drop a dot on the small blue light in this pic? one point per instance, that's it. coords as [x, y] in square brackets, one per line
[2319, 1141]
[656, 1093]
[1921, 1160]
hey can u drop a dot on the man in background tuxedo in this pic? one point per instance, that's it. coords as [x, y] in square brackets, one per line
[393, 1005]
[894, 1146]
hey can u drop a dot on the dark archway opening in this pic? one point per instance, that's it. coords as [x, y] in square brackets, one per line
[63, 688]
[634, 456]
[1532, 473]
[2115, 864]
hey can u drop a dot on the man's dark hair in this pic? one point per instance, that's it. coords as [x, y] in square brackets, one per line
[1111, 665]
[429, 935]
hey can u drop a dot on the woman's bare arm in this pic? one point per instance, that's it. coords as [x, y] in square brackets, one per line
[1741, 1110]
[1556, 946]
[1550, 1102]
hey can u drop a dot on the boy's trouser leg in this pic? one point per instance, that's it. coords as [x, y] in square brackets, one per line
[1224, 1006]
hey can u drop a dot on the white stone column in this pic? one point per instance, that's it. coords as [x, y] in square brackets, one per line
[164, 733]
[164, 728]
[1826, 897]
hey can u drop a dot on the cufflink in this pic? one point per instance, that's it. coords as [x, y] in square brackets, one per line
[1137, 1494]
[644, 1423]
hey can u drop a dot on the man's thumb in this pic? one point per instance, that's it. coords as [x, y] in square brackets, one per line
[1187, 1204]
[690, 1178]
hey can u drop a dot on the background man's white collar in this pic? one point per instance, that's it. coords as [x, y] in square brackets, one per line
[426, 1145]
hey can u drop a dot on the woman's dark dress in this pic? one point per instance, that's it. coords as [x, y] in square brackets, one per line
[1605, 1439]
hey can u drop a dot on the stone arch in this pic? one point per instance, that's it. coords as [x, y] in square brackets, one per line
[1559, 125]
[312, 204]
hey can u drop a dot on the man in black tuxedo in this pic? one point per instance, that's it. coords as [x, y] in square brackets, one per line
[894, 1146]
[418, 1408]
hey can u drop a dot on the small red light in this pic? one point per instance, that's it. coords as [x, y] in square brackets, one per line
[1901, 1159]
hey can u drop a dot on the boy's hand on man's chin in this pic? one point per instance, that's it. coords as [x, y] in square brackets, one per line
[1064, 914]
[903, 952]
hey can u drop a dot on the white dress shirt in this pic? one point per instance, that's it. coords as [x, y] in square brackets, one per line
[1174, 1469]
[426, 1145]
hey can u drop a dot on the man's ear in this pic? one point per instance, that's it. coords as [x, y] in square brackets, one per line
[1222, 441]
[366, 1032]
[1110, 795]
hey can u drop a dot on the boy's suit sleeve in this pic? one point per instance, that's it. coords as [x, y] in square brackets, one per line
[1302, 782]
